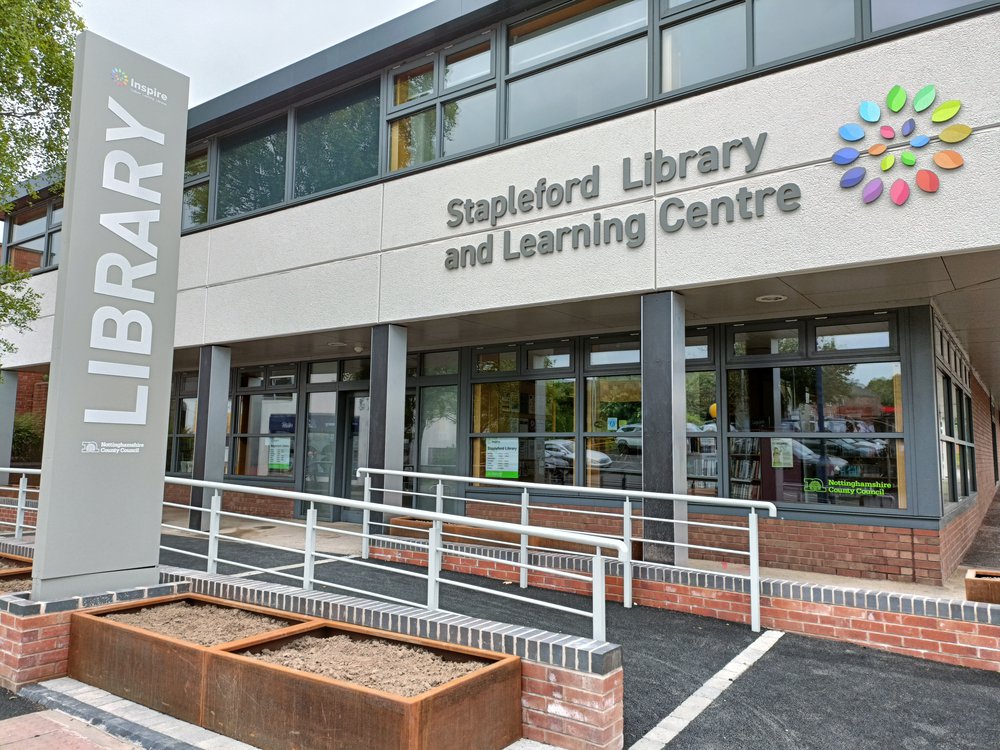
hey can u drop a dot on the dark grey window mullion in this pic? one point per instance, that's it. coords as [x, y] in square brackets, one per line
[653, 52]
[301, 427]
[383, 125]
[862, 19]
[751, 52]
[500, 72]
[213, 179]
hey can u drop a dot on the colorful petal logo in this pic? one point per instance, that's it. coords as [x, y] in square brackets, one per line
[119, 76]
[891, 152]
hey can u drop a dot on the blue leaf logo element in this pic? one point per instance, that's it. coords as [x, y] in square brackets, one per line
[851, 132]
[869, 111]
[920, 141]
[845, 156]
[852, 177]
[908, 127]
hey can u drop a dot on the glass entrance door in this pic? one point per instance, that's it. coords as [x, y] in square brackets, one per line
[356, 409]
[321, 450]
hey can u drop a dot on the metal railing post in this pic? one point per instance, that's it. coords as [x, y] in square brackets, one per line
[213, 532]
[434, 552]
[754, 572]
[22, 499]
[523, 554]
[366, 519]
[600, 630]
[309, 553]
[627, 561]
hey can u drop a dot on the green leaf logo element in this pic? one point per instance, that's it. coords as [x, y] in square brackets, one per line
[888, 162]
[924, 98]
[946, 111]
[955, 133]
[908, 158]
[896, 99]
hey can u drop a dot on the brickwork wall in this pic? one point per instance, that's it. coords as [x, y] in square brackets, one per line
[33, 649]
[32, 393]
[571, 709]
[967, 644]
[237, 502]
[589, 523]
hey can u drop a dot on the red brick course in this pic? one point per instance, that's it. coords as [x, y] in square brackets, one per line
[33, 649]
[237, 502]
[570, 709]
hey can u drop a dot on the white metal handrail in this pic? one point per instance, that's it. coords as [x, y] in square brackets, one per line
[435, 547]
[752, 507]
[23, 490]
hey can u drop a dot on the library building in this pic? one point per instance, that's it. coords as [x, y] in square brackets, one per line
[747, 249]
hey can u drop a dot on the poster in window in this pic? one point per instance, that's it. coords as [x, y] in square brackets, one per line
[279, 454]
[501, 458]
[781, 453]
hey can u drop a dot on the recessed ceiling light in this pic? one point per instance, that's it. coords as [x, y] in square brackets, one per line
[336, 344]
[772, 298]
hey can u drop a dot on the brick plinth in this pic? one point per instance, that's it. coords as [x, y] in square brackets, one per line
[237, 502]
[570, 709]
[33, 649]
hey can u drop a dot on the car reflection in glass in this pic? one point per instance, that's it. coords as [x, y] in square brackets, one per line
[629, 439]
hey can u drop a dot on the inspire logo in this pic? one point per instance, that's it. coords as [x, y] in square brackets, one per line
[888, 150]
[123, 79]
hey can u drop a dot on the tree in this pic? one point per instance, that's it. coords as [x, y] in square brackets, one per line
[37, 44]
[18, 304]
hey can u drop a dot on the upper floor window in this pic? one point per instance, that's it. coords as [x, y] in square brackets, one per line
[252, 169]
[196, 193]
[34, 236]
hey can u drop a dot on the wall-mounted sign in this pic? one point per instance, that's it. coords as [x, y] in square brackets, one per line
[781, 453]
[501, 458]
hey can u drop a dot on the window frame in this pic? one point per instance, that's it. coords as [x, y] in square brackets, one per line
[48, 231]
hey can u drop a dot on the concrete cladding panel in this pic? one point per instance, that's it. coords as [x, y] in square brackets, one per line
[416, 208]
[332, 295]
[318, 232]
[415, 281]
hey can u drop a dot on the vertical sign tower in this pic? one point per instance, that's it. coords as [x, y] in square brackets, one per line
[112, 347]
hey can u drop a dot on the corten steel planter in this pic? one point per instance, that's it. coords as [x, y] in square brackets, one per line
[276, 708]
[982, 586]
[24, 566]
[163, 673]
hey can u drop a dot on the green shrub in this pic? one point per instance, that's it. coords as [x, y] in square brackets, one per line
[26, 443]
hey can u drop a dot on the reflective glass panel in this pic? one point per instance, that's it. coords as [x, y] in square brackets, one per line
[873, 335]
[524, 459]
[412, 140]
[703, 466]
[55, 248]
[470, 122]
[614, 353]
[185, 455]
[502, 361]
[785, 28]
[321, 437]
[323, 372]
[251, 377]
[550, 357]
[438, 437]
[252, 169]
[196, 165]
[440, 363]
[861, 398]
[707, 47]
[605, 466]
[889, 13]
[570, 28]
[614, 404]
[194, 211]
[27, 256]
[603, 81]
[188, 415]
[762, 343]
[57, 213]
[414, 83]
[265, 456]
[702, 401]
[467, 64]
[29, 222]
[337, 140]
[696, 347]
[524, 406]
[357, 369]
[267, 413]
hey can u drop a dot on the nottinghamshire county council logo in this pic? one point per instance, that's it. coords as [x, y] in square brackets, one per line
[119, 76]
[889, 151]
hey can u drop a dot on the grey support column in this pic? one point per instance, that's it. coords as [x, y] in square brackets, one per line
[386, 409]
[8, 405]
[664, 422]
[210, 432]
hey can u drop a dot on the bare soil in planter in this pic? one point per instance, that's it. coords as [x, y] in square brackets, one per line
[371, 662]
[203, 624]
[15, 583]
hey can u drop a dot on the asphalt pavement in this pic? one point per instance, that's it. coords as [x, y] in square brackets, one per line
[803, 693]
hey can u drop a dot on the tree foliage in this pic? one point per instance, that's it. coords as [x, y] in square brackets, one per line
[19, 305]
[37, 44]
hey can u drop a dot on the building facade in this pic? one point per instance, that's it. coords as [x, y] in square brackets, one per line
[748, 249]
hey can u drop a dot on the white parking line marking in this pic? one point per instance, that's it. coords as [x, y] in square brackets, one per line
[664, 732]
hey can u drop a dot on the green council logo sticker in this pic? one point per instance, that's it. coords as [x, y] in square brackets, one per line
[813, 485]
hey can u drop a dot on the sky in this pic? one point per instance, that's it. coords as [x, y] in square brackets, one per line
[222, 44]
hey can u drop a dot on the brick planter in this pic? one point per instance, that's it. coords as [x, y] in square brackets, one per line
[982, 586]
[478, 710]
